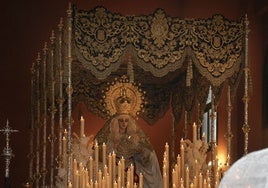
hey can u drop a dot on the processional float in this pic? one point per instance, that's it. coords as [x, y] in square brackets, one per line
[175, 60]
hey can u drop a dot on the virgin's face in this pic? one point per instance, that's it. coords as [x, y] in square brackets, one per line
[123, 121]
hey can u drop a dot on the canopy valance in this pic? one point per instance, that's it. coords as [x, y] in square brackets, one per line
[160, 42]
[178, 58]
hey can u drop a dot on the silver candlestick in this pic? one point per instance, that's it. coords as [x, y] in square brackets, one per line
[7, 152]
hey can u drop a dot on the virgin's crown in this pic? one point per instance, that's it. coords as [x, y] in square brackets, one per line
[123, 97]
[123, 103]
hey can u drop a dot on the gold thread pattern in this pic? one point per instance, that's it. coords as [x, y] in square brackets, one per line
[160, 41]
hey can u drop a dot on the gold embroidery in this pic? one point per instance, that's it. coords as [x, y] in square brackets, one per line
[159, 29]
[161, 42]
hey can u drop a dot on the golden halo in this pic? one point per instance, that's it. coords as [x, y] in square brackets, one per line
[129, 92]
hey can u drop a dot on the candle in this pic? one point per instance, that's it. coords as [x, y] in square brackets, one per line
[179, 166]
[131, 175]
[103, 182]
[123, 170]
[228, 161]
[100, 177]
[96, 151]
[119, 170]
[167, 150]
[194, 133]
[110, 169]
[119, 183]
[82, 178]
[96, 185]
[128, 185]
[115, 184]
[91, 183]
[108, 181]
[86, 176]
[113, 166]
[74, 167]
[216, 184]
[82, 127]
[167, 161]
[91, 168]
[103, 155]
[140, 180]
[173, 177]
[187, 177]
[182, 158]
[128, 176]
[200, 181]
[76, 179]
[177, 174]
[182, 183]
[205, 183]
[64, 146]
[195, 181]
[70, 185]
[65, 133]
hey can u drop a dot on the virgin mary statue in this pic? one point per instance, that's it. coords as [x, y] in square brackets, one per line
[123, 136]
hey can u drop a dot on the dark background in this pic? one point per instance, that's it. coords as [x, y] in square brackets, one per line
[25, 26]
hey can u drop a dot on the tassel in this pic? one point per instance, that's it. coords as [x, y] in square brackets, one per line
[189, 75]
[130, 71]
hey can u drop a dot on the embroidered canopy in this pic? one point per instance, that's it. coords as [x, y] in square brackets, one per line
[175, 60]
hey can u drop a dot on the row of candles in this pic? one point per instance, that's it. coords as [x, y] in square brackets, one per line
[64, 141]
[113, 175]
[100, 174]
[180, 175]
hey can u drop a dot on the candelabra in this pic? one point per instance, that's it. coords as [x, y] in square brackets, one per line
[7, 152]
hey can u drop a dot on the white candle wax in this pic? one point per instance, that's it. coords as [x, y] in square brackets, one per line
[82, 127]
[64, 146]
[104, 155]
[194, 133]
